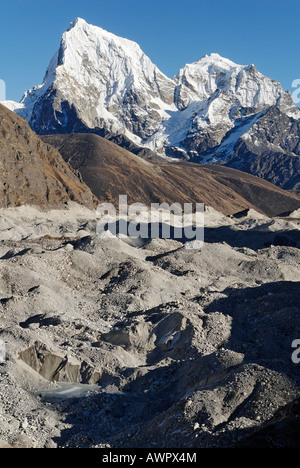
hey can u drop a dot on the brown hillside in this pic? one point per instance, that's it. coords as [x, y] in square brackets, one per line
[32, 172]
[110, 171]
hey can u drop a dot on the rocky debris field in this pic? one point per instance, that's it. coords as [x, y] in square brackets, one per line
[106, 342]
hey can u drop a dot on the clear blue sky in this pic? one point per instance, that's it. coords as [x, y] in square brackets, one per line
[171, 32]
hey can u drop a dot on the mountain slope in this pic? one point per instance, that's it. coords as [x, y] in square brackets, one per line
[269, 148]
[98, 80]
[111, 171]
[212, 111]
[213, 93]
[32, 172]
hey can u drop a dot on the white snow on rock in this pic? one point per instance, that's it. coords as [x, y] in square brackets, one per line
[112, 84]
[243, 82]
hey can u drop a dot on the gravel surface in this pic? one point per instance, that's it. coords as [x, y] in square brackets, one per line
[107, 344]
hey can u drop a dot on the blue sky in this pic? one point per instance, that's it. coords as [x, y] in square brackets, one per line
[171, 32]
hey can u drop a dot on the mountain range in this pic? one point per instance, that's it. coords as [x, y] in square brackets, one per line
[52, 171]
[213, 111]
[158, 343]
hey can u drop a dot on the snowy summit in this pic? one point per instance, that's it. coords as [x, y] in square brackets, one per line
[100, 82]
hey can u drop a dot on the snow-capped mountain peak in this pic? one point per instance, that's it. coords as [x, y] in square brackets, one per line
[107, 80]
[103, 83]
[242, 82]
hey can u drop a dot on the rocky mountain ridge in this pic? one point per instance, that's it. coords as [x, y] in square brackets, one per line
[34, 173]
